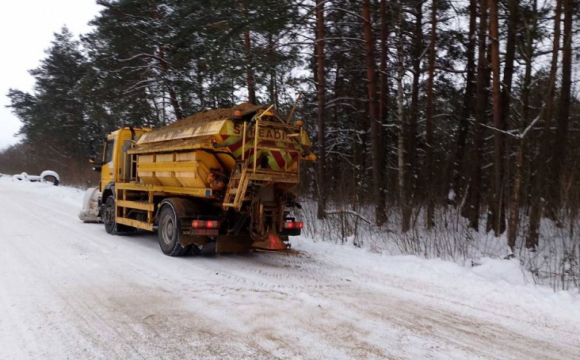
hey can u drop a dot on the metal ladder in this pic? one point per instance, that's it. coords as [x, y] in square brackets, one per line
[240, 178]
[237, 186]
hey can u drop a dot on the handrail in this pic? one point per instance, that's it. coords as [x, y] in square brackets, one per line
[280, 125]
[244, 141]
[292, 131]
[256, 134]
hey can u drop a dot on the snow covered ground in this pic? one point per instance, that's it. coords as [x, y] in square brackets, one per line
[68, 290]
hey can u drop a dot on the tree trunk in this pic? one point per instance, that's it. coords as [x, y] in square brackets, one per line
[410, 163]
[508, 70]
[514, 206]
[471, 207]
[563, 114]
[468, 104]
[528, 56]
[175, 103]
[273, 88]
[496, 220]
[376, 148]
[542, 175]
[383, 107]
[172, 95]
[250, 80]
[505, 113]
[401, 111]
[201, 93]
[320, 85]
[164, 66]
[429, 120]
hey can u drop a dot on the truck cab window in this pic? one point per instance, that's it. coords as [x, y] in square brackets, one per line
[109, 146]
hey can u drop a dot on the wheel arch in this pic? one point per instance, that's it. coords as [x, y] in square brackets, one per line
[109, 190]
[183, 211]
[184, 208]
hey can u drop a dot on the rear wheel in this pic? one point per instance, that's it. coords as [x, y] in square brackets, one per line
[168, 231]
[108, 217]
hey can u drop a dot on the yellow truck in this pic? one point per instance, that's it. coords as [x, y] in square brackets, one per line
[220, 179]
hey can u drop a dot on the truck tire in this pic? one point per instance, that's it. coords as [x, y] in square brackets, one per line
[108, 217]
[168, 231]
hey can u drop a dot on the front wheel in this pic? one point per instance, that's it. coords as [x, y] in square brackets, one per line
[108, 216]
[169, 231]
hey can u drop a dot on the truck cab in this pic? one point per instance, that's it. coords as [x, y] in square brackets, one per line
[115, 156]
[109, 167]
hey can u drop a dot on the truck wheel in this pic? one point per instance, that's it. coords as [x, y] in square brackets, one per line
[168, 231]
[108, 217]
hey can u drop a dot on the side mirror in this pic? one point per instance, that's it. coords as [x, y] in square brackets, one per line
[97, 165]
[93, 160]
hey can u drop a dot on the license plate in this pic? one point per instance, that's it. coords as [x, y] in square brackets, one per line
[204, 232]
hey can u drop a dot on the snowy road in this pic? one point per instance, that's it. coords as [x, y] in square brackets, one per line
[70, 291]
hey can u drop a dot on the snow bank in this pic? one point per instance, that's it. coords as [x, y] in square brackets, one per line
[69, 195]
[555, 263]
[492, 280]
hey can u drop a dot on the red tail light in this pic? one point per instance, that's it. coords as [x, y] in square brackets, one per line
[294, 225]
[202, 224]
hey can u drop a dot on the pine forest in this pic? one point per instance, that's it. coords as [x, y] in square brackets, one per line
[443, 128]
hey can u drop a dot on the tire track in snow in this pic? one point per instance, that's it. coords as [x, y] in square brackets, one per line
[95, 295]
[84, 294]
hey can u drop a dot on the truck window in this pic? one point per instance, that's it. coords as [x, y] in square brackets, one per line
[109, 146]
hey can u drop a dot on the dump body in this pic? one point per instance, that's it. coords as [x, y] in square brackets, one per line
[226, 174]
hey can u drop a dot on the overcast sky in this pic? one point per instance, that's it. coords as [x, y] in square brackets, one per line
[26, 30]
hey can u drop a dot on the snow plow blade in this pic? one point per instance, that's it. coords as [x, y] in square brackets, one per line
[90, 210]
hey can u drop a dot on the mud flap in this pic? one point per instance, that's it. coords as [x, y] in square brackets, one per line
[233, 244]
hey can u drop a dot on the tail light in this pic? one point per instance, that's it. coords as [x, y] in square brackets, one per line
[293, 225]
[206, 224]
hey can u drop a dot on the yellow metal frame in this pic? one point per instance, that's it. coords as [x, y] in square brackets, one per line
[134, 223]
[136, 205]
[256, 136]
[198, 192]
[123, 205]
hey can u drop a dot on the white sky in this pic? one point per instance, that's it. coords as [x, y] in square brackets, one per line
[26, 30]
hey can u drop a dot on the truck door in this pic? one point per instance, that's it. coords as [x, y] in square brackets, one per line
[108, 163]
